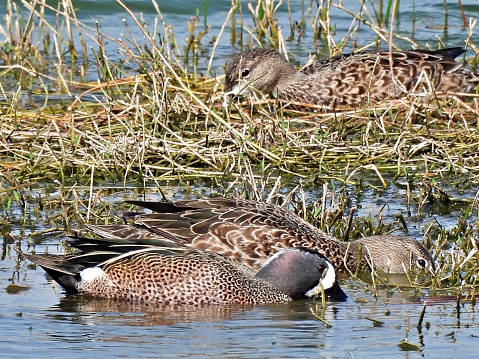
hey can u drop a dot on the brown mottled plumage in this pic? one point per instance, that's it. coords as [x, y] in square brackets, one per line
[350, 79]
[251, 232]
[175, 274]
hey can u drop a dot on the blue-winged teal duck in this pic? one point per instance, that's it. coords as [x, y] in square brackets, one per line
[251, 232]
[169, 273]
[350, 79]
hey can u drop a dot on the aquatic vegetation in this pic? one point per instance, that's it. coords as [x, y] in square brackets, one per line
[154, 115]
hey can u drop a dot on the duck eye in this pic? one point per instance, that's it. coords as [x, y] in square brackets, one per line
[245, 73]
[321, 269]
[421, 262]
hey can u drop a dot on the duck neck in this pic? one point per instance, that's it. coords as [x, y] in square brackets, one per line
[288, 74]
[287, 274]
[351, 256]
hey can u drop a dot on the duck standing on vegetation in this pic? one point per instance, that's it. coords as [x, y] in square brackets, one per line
[169, 273]
[251, 232]
[350, 79]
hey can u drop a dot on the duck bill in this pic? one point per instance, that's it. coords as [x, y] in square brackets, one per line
[335, 293]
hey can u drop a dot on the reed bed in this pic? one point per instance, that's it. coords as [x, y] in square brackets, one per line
[153, 117]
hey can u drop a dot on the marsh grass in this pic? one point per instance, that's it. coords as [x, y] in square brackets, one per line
[165, 122]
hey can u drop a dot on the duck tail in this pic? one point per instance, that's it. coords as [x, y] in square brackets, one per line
[160, 207]
[451, 52]
[55, 266]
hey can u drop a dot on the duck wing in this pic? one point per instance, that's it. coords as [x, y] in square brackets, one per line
[244, 230]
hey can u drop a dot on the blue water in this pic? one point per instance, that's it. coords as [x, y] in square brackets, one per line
[417, 24]
[38, 321]
[52, 325]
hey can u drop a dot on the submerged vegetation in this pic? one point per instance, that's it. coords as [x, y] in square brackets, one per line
[154, 115]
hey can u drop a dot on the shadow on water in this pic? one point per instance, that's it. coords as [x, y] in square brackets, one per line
[114, 312]
[363, 326]
[357, 327]
[37, 322]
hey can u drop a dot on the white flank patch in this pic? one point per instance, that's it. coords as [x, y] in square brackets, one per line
[90, 274]
[327, 282]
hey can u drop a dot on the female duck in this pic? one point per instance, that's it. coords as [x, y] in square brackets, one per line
[250, 232]
[350, 79]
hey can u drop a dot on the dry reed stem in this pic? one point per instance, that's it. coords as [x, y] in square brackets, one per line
[166, 124]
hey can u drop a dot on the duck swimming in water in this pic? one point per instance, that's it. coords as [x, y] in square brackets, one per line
[172, 274]
[250, 232]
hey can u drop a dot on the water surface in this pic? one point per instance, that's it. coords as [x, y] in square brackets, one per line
[38, 321]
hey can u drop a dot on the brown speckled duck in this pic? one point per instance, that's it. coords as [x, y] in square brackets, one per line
[172, 274]
[349, 79]
[251, 232]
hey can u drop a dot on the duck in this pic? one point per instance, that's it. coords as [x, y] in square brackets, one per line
[250, 232]
[171, 274]
[352, 79]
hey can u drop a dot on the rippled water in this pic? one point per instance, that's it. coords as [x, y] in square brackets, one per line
[38, 321]
[418, 24]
